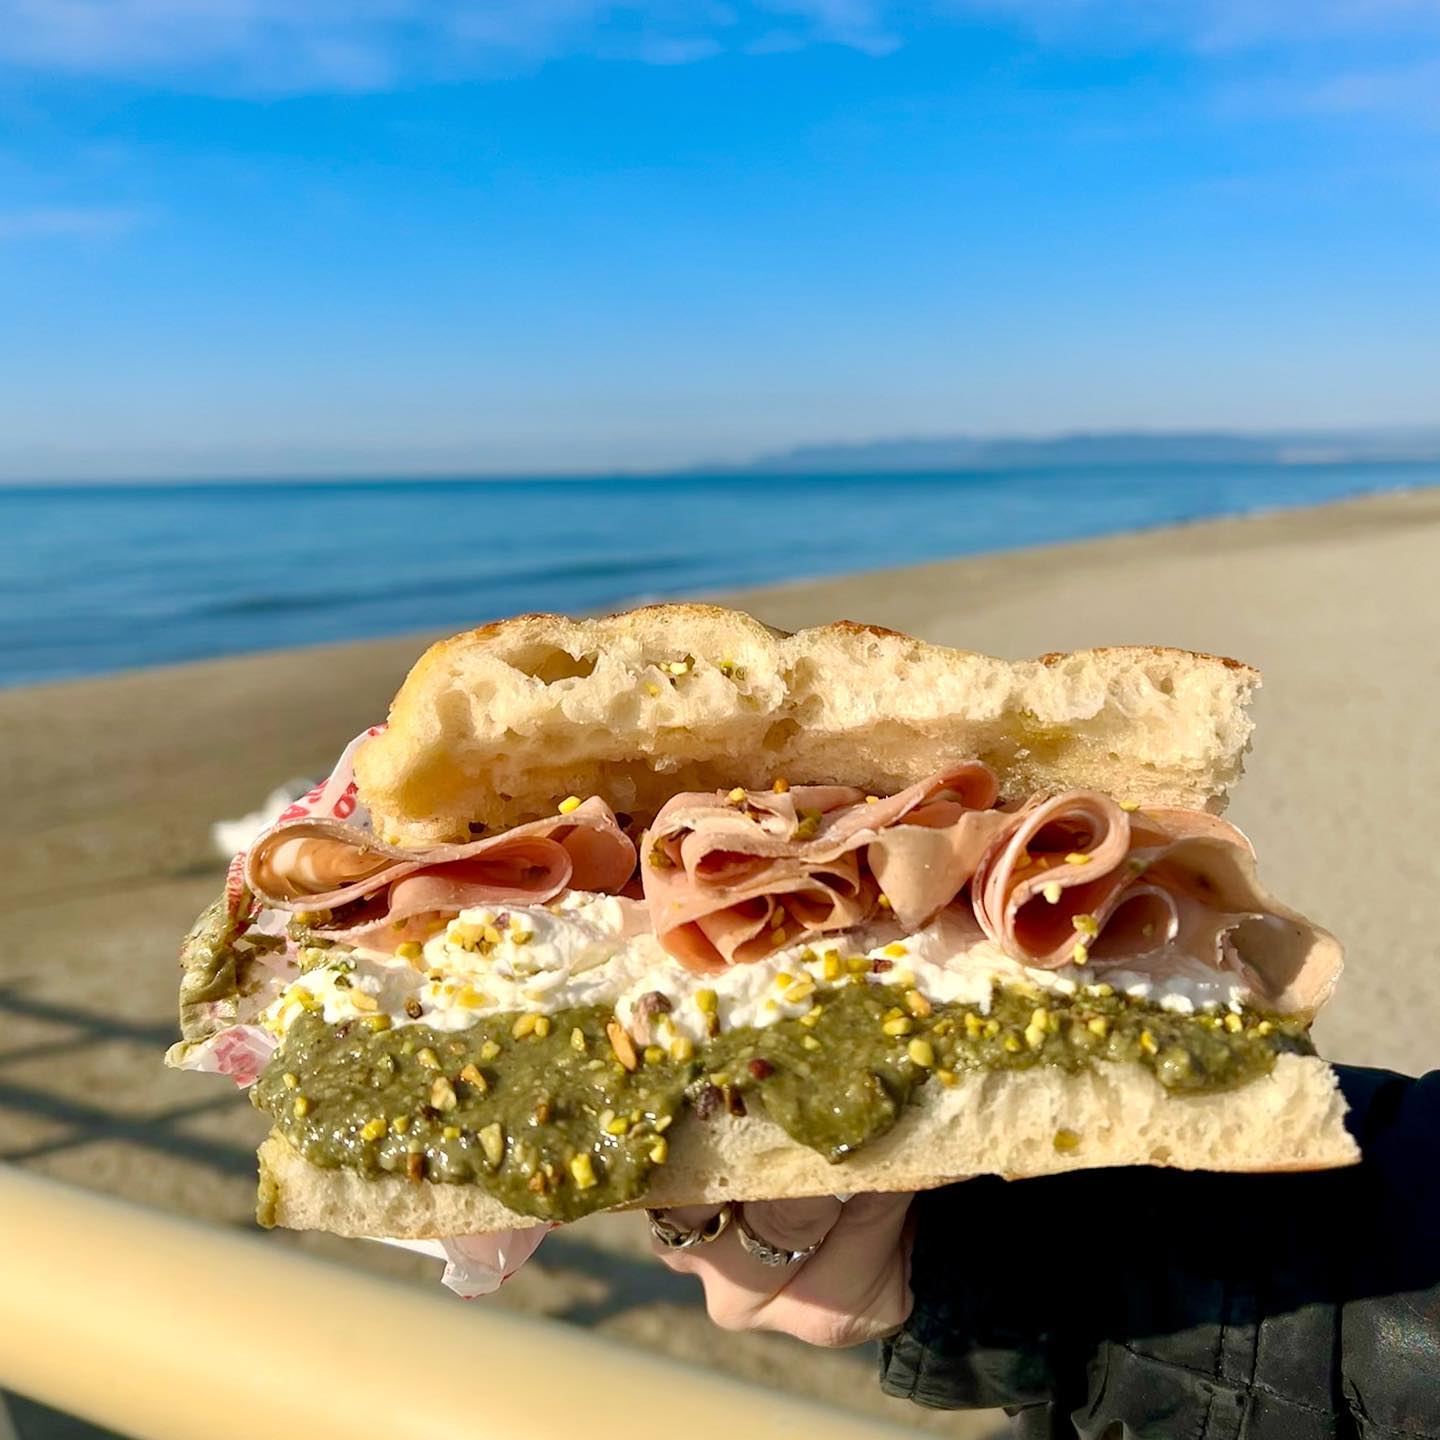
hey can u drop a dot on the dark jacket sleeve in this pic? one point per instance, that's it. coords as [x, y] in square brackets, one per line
[1156, 1304]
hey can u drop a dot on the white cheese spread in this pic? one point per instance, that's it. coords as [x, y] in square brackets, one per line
[589, 949]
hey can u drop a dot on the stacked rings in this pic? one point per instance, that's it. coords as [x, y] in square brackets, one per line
[674, 1237]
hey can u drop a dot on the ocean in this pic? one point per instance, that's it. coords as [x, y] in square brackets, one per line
[107, 577]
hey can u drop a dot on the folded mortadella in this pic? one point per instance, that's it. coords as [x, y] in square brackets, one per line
[729, 879]
[1079, 879]
[325, 865]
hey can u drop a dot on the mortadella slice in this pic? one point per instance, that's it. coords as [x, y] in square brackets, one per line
[1078, 879]
[325, 865]
[730, 879]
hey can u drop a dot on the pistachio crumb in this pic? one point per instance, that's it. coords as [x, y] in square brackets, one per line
[621, 1044]
[921, 1052]
[492, 1143]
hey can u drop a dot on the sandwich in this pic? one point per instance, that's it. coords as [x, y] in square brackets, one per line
[670, 907]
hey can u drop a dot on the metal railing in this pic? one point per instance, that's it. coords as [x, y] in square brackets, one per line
[168, 1329]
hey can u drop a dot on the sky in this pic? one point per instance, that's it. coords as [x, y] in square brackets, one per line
[435, 236]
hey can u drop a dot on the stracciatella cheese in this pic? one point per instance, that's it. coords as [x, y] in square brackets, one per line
[587, 949]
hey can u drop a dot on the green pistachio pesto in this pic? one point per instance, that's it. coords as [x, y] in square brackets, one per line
[553, 1102]
[578, 1131]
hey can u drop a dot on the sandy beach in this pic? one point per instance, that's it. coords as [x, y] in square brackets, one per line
[112, 785]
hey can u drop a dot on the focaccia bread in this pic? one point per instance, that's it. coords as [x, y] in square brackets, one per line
[493, 726]
[670, 907]
[1017, 1124]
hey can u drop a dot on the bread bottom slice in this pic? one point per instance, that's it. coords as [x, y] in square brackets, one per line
[1013, 1123]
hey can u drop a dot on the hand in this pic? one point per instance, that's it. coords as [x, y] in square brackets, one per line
[854, 1288]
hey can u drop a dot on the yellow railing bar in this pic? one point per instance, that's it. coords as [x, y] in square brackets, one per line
[168, 1329]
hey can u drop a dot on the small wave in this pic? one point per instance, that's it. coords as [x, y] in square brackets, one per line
[369, 594]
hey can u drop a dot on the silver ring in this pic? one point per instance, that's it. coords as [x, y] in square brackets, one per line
[766, 1253]
[674, 1237]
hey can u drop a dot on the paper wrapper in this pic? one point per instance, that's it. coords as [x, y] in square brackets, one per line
[475, 1265]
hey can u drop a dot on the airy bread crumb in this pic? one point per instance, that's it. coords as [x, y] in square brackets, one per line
[495, 726]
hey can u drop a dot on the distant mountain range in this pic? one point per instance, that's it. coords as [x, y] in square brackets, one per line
[1107, 448]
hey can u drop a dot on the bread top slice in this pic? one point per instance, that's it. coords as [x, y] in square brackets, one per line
[494, 726]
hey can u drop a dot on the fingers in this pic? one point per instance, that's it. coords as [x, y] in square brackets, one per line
[731, 1272]
[856, 1287]
[853, 1289]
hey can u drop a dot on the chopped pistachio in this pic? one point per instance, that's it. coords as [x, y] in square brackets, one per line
[918, 1005]
[492, 1142]
[921, 1052]
[621, 1044]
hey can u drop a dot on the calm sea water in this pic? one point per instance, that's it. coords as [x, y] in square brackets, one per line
[104, 578]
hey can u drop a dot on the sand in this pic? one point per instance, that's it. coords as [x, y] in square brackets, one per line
[111, 785]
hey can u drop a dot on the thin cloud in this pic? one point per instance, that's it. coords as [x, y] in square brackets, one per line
[1409, 90]
[358, 45]
[89, 224]
[371, 44]
[1215, 26]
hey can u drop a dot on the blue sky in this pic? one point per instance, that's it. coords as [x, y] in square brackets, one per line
[306, 236]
